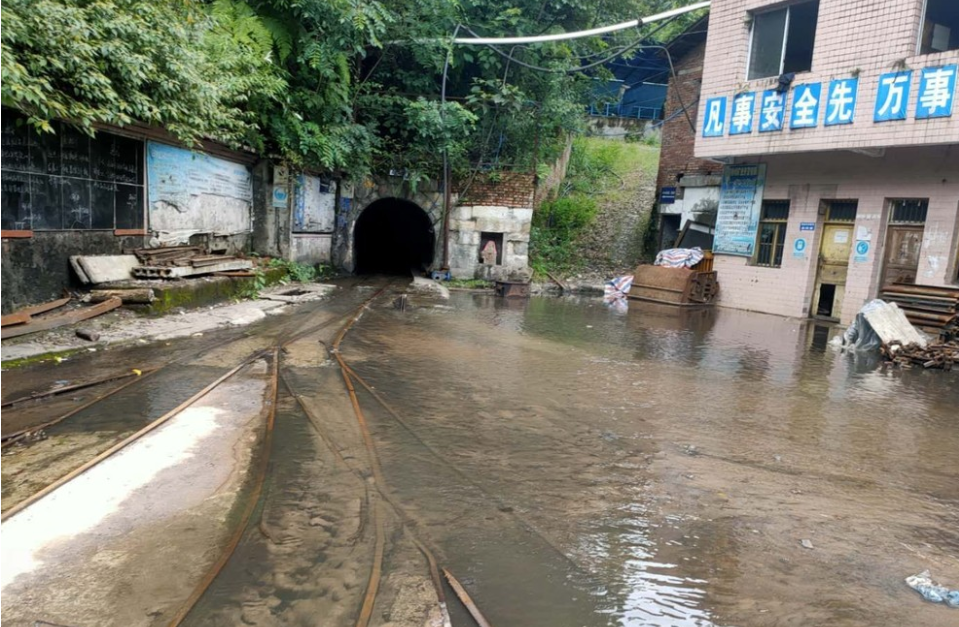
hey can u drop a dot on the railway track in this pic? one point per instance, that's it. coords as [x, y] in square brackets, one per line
[381, 501]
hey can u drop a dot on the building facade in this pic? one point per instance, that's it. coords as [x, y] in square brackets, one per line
[838, 128]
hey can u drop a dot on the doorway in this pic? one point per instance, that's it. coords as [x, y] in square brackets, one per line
[393, 236]
[835, 246]
[907, 224]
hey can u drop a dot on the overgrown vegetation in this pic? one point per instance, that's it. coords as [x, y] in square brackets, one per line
[596, 170]
[348, 86]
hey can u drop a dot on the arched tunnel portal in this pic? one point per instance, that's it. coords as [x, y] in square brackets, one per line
[393, 236]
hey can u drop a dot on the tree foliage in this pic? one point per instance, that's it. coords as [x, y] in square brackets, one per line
[343, 85]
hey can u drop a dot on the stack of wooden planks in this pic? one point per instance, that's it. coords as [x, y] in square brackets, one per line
[943, 355]
[182, 261]
[925, 306]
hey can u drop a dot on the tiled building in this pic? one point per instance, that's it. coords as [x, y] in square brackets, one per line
[838, 125]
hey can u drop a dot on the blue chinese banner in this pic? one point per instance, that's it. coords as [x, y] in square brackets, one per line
[740, 201]
[841, 101]
[892, 97]
[772, 111]
[805, 107]
[741, 120]
[715, 117]
[937, 90]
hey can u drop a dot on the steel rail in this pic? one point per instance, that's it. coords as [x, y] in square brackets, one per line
[127, 441]
[252, 502]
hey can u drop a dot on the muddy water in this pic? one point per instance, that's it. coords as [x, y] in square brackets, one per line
[582, 467]
[576, 466]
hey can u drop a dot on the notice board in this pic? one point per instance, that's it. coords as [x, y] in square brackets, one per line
[191, 190]
[740, 203]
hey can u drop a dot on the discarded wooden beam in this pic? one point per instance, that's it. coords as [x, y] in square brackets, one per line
[465, 598]
[23, 315]
[138, 296]
[52, 322]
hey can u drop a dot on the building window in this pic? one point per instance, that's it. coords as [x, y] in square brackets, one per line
[911, 211]
[841, 210]
[782, 40]
[772, 233]
[66, 180]
[940, 26]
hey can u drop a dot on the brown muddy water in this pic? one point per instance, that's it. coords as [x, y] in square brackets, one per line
[573, 465]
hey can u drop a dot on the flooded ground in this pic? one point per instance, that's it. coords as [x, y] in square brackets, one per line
[577, 466]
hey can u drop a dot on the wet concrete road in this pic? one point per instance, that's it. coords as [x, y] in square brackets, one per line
[577, 466]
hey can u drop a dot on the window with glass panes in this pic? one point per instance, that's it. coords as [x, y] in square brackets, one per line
[772, 233]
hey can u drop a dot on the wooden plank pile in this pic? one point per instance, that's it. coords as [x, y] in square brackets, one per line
[925, 306]
[182, 261]
[943, 355]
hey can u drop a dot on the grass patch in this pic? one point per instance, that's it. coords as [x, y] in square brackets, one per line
[469, 284]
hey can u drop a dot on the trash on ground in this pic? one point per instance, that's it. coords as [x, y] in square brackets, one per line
[616, 290]
[806, 543]
[880, 323]
[931, 591]
[944, 355]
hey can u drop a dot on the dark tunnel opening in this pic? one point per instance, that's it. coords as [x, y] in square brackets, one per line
[393, 236]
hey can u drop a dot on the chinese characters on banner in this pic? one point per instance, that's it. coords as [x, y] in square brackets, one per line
[834, 103]
[740, 201]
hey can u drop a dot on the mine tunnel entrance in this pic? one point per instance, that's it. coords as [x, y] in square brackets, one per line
[393, 236]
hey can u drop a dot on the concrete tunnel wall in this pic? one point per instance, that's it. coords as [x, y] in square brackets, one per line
[354, 201]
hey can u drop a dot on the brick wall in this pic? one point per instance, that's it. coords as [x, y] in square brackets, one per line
[864, 37]
[507, 189]
[678, 140]
[928, 172]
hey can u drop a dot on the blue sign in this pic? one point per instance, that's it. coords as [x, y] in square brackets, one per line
[799, 245]
[667, 195]
[892, 97]
[715, 117]
[807, 226]
[937, 90]
[862, 251]
[805, 107]
[841, 101]
[772, 111]
[740, 200]
[741, 120]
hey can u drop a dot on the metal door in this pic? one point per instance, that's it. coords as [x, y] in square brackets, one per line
[901, 259]
[834, 250]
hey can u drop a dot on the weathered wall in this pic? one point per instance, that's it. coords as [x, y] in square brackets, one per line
[931, 173]
[467, 223]
[192, 191]
[679, 139]
[37, 269]
[505, 189]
